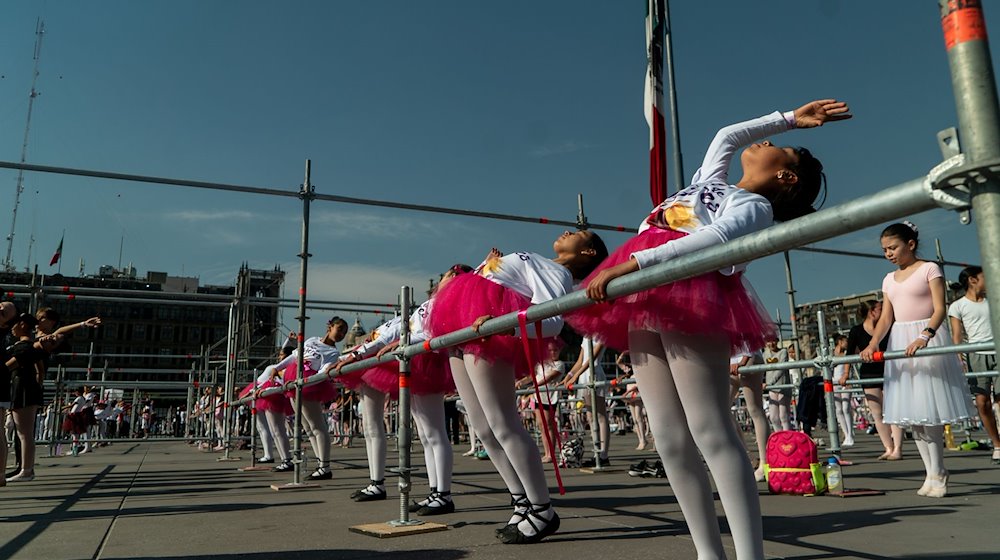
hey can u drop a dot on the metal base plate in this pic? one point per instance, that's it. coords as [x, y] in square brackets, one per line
[388, 530]
[223, 459]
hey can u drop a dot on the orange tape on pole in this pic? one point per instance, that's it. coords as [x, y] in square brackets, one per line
[404, 381]
[828, 386]
[963, 22]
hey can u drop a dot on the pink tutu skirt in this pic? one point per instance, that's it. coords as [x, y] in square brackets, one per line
[429, 374]
[468, 297]
[277, 403]
[709, 304]
[324, 391]
[351, 380]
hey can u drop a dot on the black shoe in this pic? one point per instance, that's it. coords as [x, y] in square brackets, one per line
[658, 467]
[13, 472]
[521, 506]
[320, 474]
[543, 527]
[638, 469]
[371, 493]
[440, 504]
[593, 463]
[264, 461]
[414, 507]
[285, 466]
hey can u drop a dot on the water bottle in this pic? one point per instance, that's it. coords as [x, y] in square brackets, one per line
[834, 477]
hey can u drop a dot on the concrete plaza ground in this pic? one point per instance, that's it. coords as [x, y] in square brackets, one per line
[170, 500]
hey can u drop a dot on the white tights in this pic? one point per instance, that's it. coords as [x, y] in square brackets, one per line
[753, 394]
[373, 407]
[319, 436]
[778, 410]
[428, 411]
[842, 404]
[930, 444]
[276, 421]
[264, 434]
[488, 393]
[683, 384]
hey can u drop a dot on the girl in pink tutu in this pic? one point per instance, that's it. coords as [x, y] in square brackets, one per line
[680, 335]
[320, 354]
[485, 369]
[430, 380]
[275, 409]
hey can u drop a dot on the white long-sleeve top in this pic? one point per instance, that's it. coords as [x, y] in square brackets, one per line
[711, 211]
[390, 331]
[315, 353]
[534, 277]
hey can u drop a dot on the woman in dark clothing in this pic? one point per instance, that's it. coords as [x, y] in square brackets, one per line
[27, 368]
[857, 340]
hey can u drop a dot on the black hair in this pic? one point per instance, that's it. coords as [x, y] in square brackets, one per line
[600, 253]
[460, 268]
[336, 320]
[865, 307]
[963, 277]
[905, 231]
[48, 313]
[797, 200]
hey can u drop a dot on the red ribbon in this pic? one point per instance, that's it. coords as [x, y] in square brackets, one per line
[522, 321]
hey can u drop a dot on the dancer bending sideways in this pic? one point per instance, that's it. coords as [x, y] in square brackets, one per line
[924, 392]
[320, 354]
[680, 335]
[430, 380]
[485, 369]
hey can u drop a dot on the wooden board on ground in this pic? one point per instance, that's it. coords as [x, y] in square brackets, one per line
[388, 530]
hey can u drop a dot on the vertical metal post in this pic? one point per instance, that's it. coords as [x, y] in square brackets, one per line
[253, 421]
[595, 433]
[306, 193]
[791, 306]
[54, 423]
[213, 403]
[979, 126]
[675, 122]
[189, 405]
[227, 420]
[824, 356]
[90, 361]
[135, 403]
[403, 436]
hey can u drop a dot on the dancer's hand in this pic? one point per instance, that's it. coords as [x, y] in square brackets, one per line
[868, 354]
[915, 345]
[817, 113]
[597, 290]
[347, 359]
[387, 348]
[479, 322]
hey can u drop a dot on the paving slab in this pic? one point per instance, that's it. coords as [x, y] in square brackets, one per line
[168, 500]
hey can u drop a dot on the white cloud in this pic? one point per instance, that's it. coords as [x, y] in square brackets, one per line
[342, 224]
[211, 215]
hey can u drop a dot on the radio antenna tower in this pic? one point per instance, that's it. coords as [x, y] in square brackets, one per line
[8, 264]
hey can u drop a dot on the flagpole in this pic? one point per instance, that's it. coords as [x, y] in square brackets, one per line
[675, 123]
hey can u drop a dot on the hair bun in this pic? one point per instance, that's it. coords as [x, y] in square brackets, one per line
[912, 226]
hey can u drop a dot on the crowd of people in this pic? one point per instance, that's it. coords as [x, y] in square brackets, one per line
[673, 341]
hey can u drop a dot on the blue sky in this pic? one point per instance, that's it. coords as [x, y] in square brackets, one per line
[508, 106]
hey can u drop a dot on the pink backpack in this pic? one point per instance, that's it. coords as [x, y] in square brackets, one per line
[792, 465]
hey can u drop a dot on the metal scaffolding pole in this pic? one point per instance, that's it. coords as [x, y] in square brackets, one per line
[791, 305]
[404, 437]
[826, 354]
[307, 194]
[227, 417]
[975, 90]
